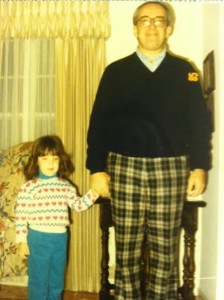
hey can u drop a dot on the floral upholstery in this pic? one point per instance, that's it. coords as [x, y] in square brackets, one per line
[12, 162]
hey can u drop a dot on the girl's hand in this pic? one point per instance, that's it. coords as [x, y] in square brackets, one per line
[23, 250]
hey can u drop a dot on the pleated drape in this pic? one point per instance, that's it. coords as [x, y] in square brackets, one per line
[77, 82]
[52, 19]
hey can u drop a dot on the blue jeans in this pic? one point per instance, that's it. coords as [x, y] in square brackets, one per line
[46, 265]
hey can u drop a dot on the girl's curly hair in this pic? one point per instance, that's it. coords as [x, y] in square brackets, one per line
[42, 146]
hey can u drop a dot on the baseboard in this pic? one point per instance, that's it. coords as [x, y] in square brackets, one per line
[9, 292]
[201, 296]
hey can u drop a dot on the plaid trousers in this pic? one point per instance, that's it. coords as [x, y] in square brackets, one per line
[147, 198]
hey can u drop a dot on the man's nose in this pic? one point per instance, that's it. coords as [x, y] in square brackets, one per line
[152, 24]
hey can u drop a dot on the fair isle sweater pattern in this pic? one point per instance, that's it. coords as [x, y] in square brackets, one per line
[45, 203]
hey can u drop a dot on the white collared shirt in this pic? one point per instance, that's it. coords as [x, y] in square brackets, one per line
[152, 66]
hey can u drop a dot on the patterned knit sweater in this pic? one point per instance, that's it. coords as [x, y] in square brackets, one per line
[45, 203]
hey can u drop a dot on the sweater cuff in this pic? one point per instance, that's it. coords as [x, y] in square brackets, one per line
[94, 194]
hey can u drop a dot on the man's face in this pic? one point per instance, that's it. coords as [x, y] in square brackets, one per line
[151, 29]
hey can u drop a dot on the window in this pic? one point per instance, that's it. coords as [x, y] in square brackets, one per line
[27, 90]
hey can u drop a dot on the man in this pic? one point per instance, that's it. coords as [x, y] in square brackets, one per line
[148, 147]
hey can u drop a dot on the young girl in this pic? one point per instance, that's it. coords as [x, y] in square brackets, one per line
[42, 216]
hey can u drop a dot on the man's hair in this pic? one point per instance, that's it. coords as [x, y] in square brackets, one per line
[49, 144]
[170, 15]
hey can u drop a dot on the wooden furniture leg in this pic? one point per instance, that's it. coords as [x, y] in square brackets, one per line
[105, 224]
[190, 226]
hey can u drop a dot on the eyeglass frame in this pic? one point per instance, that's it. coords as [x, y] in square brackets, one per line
[162, 18]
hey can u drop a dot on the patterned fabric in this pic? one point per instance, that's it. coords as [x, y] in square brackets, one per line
[1, 157]
[11, 178]
[147, 197]
[44, 202]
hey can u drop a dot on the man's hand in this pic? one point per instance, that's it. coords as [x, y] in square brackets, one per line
[99, 182]
[196, 182]
[23, 250]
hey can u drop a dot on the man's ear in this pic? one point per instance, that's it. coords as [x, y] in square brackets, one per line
[169, 31]
[135, 31]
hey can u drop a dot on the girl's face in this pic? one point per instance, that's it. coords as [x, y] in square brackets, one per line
[48, 164]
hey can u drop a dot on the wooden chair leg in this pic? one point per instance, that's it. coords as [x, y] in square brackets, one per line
[190, 226]
[105, 224]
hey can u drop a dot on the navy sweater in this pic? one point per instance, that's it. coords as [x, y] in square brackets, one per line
[149, 114]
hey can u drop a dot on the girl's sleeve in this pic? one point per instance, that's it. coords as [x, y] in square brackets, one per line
[22, 213]
[81, 203]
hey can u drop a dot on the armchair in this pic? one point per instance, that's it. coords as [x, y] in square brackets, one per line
[12, 161]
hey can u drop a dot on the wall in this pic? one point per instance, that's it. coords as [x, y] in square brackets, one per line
[197, 31]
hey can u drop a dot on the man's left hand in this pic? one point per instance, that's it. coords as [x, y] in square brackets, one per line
[196, 182]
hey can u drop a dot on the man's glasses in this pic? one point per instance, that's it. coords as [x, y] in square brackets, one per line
[147, 22]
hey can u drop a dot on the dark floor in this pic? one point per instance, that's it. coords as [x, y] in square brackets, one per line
[19, 293]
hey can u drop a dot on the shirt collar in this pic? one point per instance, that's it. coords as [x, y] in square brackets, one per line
[152, 66]
[158, 57]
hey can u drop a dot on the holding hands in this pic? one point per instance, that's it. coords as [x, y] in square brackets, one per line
[99, 182]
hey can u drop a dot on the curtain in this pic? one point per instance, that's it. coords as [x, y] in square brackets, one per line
[79, 30]
[81, 62]
[66, 19]
[27, 90]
